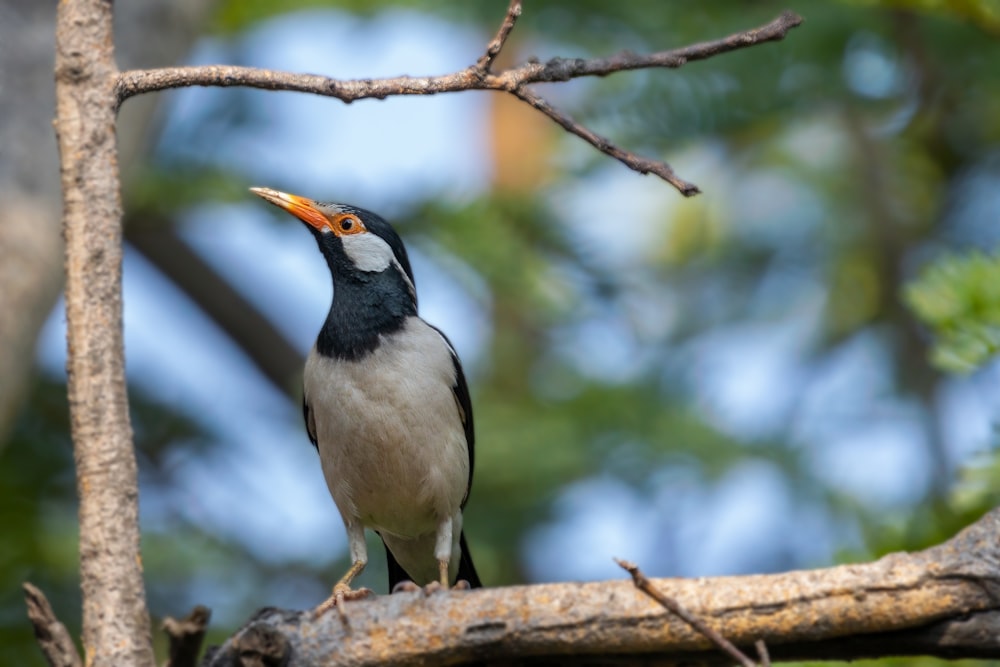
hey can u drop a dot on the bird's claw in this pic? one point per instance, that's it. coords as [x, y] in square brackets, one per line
[341, 594]
[405, 586]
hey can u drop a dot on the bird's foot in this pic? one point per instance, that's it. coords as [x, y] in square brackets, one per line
[435, 586]
[405, 586]
[341, 594]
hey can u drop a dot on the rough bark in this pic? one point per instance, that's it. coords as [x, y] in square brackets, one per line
[115, 620]
[942, 601]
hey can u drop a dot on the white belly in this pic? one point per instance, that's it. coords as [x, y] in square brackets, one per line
[390, 438]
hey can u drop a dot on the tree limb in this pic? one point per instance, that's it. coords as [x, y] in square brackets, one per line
[477, 76]
[942, 601]
[52, 636]
[115, 619]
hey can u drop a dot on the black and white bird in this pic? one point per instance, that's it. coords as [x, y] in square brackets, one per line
[386, 405]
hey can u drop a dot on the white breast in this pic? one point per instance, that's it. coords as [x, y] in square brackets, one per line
[390, 439]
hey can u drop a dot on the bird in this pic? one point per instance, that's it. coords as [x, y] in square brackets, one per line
[387, 406]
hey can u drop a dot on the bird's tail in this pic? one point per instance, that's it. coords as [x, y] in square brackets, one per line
[466, 570]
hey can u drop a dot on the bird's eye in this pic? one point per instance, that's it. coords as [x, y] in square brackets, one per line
[346, 224]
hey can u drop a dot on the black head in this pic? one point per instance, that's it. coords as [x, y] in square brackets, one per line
[373, 283]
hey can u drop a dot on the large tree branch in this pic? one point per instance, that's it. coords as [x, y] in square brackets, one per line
[942, 601]
[115, 620]
[477, 76]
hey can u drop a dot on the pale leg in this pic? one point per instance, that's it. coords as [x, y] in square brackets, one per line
[442, 550]
[359, 558]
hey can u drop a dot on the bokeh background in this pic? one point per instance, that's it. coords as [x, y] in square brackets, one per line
[791, 370]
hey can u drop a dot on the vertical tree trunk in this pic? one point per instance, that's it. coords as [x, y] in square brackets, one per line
[115, 619]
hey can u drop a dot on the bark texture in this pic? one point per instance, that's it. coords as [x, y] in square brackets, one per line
[115, 620]
[942, 601]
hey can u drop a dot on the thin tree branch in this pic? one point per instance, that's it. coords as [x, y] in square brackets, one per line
[474, 77]
[629, 159]
[671, 605]
[185, 637]
[51, 634]
[762, 653]
[496, 45]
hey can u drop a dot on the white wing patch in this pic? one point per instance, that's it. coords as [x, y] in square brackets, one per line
[368, 252]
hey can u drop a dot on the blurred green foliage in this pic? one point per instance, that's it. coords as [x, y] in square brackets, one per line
[958, 297]
[833, 164]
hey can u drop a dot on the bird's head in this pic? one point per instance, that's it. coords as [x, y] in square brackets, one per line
[353, 241]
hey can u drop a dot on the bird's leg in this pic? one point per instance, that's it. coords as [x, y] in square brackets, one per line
[342, 591]
[442, 550]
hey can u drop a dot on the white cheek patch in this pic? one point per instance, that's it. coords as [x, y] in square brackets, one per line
[368, 252]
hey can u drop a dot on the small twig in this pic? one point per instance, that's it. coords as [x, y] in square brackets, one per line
[646, 586]
[495, 46]
[52, 636]
[475, 77]
[765, 657]
[629, 159]
[185, 636]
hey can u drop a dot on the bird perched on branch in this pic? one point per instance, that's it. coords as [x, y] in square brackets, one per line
[386, 405]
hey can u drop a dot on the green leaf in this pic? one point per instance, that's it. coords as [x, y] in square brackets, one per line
[958, 298]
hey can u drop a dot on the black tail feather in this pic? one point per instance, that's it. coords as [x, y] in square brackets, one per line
[466, 570]
[396, 571]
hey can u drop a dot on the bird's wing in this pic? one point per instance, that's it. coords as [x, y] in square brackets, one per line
[307, 414]
[464, 405]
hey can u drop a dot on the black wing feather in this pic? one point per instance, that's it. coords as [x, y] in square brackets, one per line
[464, 403]
[396, 571]
[307, 415]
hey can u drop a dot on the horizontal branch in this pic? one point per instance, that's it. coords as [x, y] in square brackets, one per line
[477, 76]
[942, 601]
[137, 82]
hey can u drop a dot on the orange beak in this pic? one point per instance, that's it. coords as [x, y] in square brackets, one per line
[302, 208]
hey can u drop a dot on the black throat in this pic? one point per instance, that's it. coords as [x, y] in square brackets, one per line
[366, 306]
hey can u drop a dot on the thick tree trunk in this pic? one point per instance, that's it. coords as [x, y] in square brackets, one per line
[115, 620]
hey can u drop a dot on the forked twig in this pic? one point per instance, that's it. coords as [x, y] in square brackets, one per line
[496, 44]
